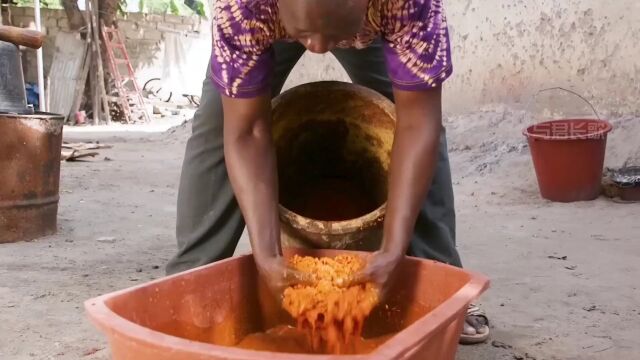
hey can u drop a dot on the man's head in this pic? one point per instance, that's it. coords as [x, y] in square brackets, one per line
[321, 24]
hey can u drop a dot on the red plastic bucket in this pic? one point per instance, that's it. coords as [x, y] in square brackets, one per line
[568, 156]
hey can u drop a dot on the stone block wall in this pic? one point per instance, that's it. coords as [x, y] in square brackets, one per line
[144, 36]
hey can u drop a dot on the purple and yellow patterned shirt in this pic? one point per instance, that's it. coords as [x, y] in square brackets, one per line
[414, 32]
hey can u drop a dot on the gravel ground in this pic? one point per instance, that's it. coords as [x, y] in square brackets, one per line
[117, 215]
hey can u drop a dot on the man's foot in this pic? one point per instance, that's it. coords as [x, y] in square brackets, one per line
[476, 326]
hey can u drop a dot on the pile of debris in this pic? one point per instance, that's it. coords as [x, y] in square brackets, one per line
[77, 151]
[80, 87]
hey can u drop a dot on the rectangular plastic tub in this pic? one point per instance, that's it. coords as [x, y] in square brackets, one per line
[200, 314]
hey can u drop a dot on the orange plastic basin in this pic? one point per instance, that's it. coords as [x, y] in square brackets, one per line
[200, 314]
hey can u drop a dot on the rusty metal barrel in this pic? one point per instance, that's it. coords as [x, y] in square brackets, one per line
[333, 143]
[29, 175]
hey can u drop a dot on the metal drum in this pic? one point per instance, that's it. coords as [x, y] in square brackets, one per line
[29, 175]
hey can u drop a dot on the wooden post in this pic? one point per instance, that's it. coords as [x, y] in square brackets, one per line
[98, 91]
[81, 84]
[93, 88]
[48, 94]
[5, 14]
[96, 36]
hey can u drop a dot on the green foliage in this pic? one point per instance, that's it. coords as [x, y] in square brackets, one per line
[197, 7]
[45, 4]
[175, 7]
[122, 7]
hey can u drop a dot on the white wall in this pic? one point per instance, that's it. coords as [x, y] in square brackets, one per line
[504, 51]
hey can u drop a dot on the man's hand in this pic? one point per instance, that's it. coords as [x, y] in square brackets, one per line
[278, 275]
[380, 267]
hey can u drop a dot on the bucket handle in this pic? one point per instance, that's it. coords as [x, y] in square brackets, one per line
[534, 97]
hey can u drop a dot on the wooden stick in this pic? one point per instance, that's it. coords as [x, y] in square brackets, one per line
[19, 36]
[48, 93]
[95, 91]
[93, 88]
[5, 14]
[81, 84]
[96, 37]
[72, 155]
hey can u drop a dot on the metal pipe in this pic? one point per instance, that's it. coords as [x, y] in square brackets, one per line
[42, 98]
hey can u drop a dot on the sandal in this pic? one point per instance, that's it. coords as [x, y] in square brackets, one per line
[478, 333]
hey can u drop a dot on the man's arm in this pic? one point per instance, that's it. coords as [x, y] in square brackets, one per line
[413, 159]
[251, 163]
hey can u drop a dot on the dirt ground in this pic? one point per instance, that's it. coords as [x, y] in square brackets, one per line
[116, 226]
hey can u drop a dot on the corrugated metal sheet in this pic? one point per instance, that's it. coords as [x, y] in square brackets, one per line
[66, 71]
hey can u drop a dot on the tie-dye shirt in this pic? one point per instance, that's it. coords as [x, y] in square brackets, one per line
[414, 33]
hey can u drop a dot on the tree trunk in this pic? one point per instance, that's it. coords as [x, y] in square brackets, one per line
[108, 17]
[108, 11]
[74, 15]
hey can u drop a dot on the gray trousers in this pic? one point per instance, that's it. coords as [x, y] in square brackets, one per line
[210, 223]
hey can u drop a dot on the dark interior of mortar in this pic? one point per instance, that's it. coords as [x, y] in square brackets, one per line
[327, 171]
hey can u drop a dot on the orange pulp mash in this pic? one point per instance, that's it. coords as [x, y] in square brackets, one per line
[329, 316]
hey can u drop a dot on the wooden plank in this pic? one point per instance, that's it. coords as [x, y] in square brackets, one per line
[81, 84]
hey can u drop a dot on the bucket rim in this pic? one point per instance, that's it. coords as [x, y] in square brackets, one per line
[598, 134]
[329, 227]
[333, 85]
[341, 227]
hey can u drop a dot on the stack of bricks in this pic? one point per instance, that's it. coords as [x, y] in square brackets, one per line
[52, 20]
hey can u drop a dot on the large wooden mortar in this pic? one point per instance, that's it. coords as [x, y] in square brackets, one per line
[333, 143]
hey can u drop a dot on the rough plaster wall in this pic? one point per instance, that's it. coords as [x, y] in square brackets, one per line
[505, 51]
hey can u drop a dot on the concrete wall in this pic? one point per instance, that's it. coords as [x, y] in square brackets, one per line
[504, 51]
